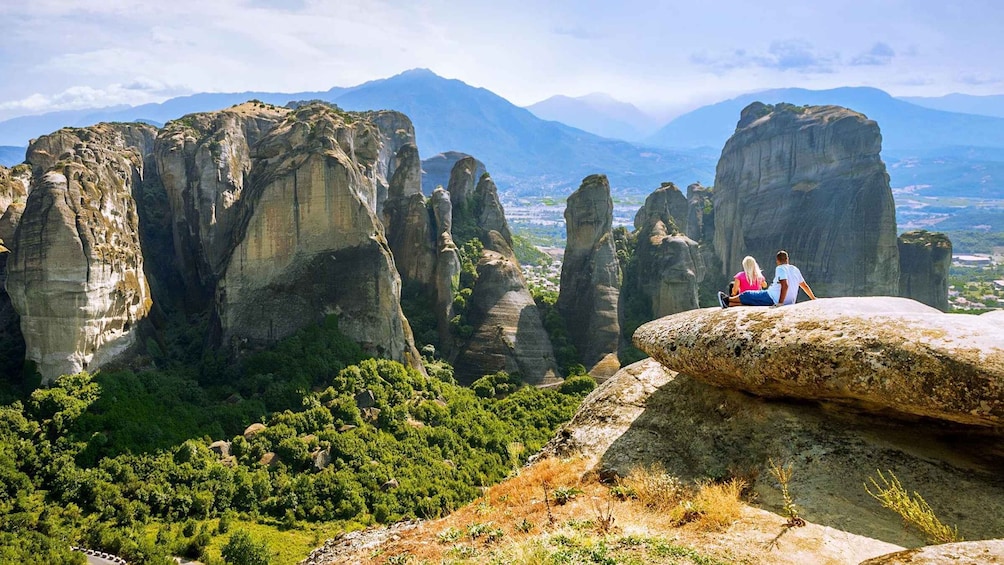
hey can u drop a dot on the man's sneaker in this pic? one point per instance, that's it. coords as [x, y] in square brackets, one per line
[723, 300]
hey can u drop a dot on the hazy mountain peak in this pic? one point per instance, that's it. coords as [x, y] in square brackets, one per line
[596, 112]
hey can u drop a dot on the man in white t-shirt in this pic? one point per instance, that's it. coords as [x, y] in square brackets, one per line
[782, 292]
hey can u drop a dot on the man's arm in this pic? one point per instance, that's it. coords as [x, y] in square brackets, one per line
[784, 291]
[804, 286]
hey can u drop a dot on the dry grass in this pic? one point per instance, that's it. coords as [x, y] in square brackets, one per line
[511, 522]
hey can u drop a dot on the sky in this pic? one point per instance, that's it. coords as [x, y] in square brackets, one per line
[665, 57]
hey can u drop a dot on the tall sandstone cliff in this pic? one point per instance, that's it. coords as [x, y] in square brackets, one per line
[14, 184]
[808, 180]
[75, 274]
[308, 241]
[507, 331]
[924, 261]
[591, 277]
[667, 267]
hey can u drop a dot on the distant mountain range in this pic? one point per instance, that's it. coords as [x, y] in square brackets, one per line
[905, 127]
[948, 152]
[992, 105]
[597, 113]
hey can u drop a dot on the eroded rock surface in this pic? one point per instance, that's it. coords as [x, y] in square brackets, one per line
[14, 184]
[648, 414]
[809, 180]
[204, 161]
[309, 242]
[75, 274]
[508, 332]
[590, 276]
[889, 355]
[985, 552]
[407, 222]
[924, 260]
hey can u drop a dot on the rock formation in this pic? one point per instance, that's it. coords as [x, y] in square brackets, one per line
[700, 207]
[984, 552]
[436, 170]
[75, 274]
[924, 260]
[667, 205]
[308, 242]
[407, 223]
[14, 185]
[667, 266]
[508, 332]
[204, 161]
[396, 131]
[487, 209]
[649, 414]
[590, 275]
[891, 355]
[808, 180]
[447, 274]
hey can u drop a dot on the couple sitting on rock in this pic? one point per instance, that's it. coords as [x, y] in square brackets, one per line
[749, 288]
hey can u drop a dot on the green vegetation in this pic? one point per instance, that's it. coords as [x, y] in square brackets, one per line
[243, 549]
[915, 512]
[565, 352]
[121, 461]
[637, 310]
[527, 253]
[967, 242]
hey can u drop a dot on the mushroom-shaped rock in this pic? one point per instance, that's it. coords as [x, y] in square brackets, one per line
[881, 354]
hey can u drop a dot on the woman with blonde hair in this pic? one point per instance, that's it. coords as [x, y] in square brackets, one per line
[750, 278]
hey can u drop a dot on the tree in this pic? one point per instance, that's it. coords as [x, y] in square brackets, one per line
[242, 549]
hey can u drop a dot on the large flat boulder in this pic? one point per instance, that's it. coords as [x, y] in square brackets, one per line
[882, 354]
[985, 552]
[647, 414]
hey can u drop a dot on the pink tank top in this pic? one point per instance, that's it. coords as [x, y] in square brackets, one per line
[744, 284]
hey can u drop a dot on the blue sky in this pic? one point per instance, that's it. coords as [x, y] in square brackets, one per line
[662, 56]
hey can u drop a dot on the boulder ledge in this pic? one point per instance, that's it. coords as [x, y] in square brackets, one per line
[881, 354]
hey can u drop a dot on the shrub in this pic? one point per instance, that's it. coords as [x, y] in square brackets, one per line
[654, 487]
[914, 510]
[242, 549]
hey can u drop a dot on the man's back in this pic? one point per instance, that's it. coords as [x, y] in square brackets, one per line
[790, 273]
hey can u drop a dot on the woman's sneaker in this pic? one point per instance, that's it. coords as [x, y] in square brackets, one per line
[723, 300]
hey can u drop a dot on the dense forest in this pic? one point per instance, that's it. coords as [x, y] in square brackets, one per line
[128, 460]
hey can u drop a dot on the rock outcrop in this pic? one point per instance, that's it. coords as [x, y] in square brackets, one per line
[447, 274]
[508, 333]
[14, 184]
[436, 170]
[590, 276]
[889, 355]
[984, 552]
[308, 242]
[666, 204]
[700, 214]
[809, 180]
[396, 131]
[924, 260]
[204, 161]
[75, 274]
[668, 266]
[407, 222]
[649, 414]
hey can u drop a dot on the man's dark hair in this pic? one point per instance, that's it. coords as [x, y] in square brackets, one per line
[782, 256]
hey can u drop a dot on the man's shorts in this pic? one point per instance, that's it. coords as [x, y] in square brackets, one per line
[755, 298]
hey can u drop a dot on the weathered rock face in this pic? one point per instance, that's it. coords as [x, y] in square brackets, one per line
[700, 207]
[463, 178]
[924, 260]
[590, 275]
[204, 161]
[76, 275]
[488, 209]
[669, 266]
[667, 205]
[994, 317]
[890, 355]
[308, 242]
[984, 552]
[508, 332]
[14, 185]
[407, 222]
[809, 180]
[447, 273]
[396, 131]
[648, 414]
[436, 170]
[476, 207]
